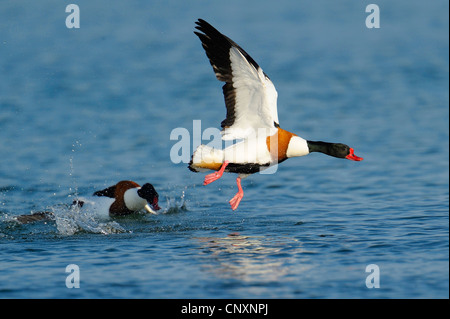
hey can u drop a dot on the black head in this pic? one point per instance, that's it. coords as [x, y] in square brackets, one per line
[338, 150]
[148, 192]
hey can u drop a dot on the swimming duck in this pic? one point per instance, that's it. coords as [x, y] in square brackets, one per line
[123, 198]
[251, 118]
[129, 198]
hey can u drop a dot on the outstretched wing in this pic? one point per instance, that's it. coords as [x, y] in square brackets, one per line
[250, 96]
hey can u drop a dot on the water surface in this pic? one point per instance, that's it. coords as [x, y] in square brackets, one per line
[81, 109]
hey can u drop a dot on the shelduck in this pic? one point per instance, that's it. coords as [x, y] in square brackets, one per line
[123, 198]
[130, 198]
[251, 118]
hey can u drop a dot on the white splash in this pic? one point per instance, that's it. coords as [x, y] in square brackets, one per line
[75, 219]
[175, 204]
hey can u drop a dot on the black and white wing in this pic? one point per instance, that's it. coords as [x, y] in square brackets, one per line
[250, 96]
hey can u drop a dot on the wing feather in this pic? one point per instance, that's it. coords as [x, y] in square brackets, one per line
[250, 96]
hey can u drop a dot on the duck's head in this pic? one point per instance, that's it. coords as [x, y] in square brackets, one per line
[148, 192]
[344, 151]
[338, 150]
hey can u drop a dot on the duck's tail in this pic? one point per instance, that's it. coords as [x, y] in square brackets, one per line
[206, 158]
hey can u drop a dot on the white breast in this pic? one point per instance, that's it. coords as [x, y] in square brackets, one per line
[133, 201]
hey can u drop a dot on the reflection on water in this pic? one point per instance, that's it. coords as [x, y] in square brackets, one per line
[252, 258]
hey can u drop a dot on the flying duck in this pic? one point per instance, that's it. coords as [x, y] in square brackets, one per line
[251, 118]
[123, 198]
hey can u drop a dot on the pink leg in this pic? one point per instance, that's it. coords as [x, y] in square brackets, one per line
[216, 175]
[234, 202]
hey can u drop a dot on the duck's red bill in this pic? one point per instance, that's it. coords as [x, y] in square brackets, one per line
[352, 156]
[155, 204]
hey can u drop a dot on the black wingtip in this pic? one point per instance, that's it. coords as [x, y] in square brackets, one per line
[206, 28]
[213, 37]
[200, 21]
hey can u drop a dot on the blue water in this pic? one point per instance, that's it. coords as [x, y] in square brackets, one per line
[81, 109]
